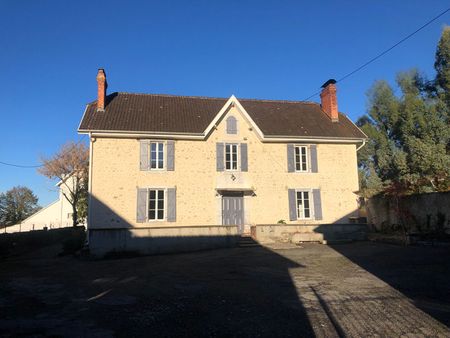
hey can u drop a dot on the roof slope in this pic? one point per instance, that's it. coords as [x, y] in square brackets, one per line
[185, 114]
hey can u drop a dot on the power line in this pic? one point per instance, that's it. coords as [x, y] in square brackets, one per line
[34, 165]
[20, 165]
[385, 51]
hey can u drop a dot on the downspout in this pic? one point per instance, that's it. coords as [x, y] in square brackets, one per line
[362, 145]
[91, 148]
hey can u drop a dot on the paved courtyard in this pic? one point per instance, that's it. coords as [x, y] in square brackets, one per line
[354, 290]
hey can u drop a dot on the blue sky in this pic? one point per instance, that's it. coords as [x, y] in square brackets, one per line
[50, 52]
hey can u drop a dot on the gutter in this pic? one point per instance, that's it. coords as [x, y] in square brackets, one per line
[362, 145]
[88, 225]
[143, 135]
[181, 136]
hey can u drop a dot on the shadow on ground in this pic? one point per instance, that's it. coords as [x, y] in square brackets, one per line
[226, 292]
[420, 273]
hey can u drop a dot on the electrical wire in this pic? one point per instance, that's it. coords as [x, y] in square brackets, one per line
[34, 165]
[385, 51]
[313, 95]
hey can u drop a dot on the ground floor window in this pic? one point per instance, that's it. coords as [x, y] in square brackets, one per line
[303, 205]
[156, 204]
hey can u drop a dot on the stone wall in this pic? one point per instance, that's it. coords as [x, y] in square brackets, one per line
[421, 212]
[324, 233]
[161, 240]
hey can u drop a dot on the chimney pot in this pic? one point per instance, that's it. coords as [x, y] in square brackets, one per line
[328, 100]
[101, 89]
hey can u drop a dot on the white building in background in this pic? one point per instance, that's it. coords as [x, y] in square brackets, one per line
[57, 214]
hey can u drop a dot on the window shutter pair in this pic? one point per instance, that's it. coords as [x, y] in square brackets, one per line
[142, 211]
[145, 155]
[291, 158]
[220, 156]
[293, 204]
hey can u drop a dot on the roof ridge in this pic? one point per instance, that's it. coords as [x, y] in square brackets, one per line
[173, 95]
[284, 101]
[216, 98]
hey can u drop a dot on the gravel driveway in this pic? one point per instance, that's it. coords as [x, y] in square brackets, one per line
[356, 290]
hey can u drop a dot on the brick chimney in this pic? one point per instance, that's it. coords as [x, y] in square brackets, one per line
[328, 100]
[101, 89]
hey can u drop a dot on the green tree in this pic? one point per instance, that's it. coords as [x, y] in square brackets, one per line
[442, 66]
[83, 202]
[17, 204]
[409, 133]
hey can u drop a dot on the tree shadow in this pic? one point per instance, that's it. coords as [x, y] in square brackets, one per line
[420, 273]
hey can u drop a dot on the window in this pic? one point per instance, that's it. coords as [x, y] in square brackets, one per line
[231, 156]
[301, 158]
[231, 125]
[156, 155]
[303, 205]
[156, 204]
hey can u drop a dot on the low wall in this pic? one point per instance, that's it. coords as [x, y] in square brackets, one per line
[26, 227]
[24, 242]
[271, 233]
[421, 211]
[161, 240]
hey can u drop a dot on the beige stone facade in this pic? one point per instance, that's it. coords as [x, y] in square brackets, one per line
[115, 177]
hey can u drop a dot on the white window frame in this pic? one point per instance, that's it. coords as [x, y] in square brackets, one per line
[311, 204]
[156, 205]
[157, 155]
[308, 167]
[231, 157]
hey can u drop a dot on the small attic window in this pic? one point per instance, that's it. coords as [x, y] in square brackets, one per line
[231, 125]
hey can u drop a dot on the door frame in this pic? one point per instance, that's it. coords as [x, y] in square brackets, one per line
[239, 194]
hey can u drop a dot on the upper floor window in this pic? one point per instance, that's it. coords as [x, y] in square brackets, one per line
[301, 158]
[303, 204]
[156, 155]
[231, 156]
[231, 125]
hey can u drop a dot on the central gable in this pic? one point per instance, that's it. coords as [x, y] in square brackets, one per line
[233, 109]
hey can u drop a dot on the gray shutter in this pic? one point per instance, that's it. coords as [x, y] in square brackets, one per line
[244, 157]
[220, 156]
[290, 158]
[292, 205]
[171, 205]
[313, 150]
[170, 155]
[231, 125]
[141, 205]
[144, 155]
[317, 204]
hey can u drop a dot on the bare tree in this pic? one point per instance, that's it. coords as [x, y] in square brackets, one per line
[69, 165]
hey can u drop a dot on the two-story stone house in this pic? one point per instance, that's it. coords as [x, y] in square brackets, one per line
[171, 169]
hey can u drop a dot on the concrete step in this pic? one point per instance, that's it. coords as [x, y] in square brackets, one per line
[247, 241]
[306, 237]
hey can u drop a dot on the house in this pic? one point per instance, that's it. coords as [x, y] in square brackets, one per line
[57, 214]
[178, 172]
